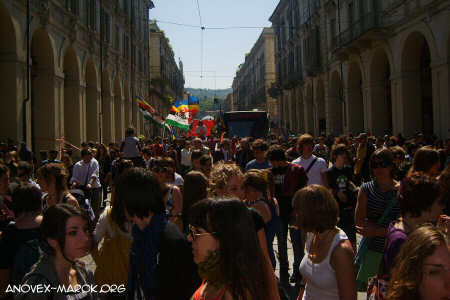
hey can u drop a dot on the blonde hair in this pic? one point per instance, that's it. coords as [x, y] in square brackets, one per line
[221, 174]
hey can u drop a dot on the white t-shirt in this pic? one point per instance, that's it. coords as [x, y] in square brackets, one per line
[178, 180]
[315, 173]
[186, 157]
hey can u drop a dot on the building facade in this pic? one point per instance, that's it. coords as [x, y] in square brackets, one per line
[374, 66]
[255, 76]
[228, 103]
[167, 79]
[86, 63]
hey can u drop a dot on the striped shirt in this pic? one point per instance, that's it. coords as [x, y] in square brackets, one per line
[377, 202]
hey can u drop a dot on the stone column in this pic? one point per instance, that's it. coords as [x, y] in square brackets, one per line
[92, 113]
[107, 117]
[73, 116]
[12, 86]
[441, 99]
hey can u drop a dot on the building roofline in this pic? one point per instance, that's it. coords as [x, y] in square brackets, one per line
[280, 5]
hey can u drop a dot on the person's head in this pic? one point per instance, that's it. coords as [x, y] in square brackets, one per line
[52, 154]
[146, 153]
[339, 154]
[195, 188]
[255, 185]
[67, 160]
[119, 166]
[67, 231]
[316, 208]
[223, 235]
[420, 197]
[362, 138]
[159, 167]
[382, 163]
[129, 131]
[24, 171]
[276, 156]
[244, 143]
[226, 180]
[26, 198]
[399, 155]
[142, 194]
[195, 159]
[422, 267]
[169, 163]
[205, 163]
[259, 148]
[86, 155]
[102, 152]
[197, 144]
[426, 159]
[4, 179]
[52, 178]
[305, 145]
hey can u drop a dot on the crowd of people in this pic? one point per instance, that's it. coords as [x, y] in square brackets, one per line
[197, 218]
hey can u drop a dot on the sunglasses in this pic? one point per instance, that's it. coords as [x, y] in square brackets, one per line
[194, 235]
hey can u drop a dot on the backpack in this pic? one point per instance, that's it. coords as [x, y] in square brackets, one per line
[26, 256]
[112, 258]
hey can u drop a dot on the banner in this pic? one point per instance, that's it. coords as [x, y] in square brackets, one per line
[178, 121]
[208, 123]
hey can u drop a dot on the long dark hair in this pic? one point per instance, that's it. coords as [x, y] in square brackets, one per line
[195, 188]
[242, 261]
[54, 222]
[118, 206]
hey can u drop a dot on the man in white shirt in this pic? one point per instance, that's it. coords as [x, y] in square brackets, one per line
[315, 167]
[85, 176]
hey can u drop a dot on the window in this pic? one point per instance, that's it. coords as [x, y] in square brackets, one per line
[117, 38]
[73, 6]
[333, 32]
[93, 14]
[350, 13]
[106, 26]
[126, 48]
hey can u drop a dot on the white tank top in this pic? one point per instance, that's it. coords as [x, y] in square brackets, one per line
[320, 278]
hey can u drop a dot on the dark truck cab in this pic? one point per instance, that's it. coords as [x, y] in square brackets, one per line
[246, 123]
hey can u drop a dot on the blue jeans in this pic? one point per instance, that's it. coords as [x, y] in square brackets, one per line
[271, 230]
[297, 245]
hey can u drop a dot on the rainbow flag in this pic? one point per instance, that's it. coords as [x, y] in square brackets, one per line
[143, 105]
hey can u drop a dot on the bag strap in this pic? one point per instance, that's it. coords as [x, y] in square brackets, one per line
[388, 209]
[311, 165]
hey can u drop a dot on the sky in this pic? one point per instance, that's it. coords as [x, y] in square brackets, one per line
[223, 50]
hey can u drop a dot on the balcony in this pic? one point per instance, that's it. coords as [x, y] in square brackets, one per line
[368, 28]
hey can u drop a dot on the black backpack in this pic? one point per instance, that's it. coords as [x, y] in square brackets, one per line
[26, 256]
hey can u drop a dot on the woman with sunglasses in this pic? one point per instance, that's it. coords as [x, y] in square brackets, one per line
[173, 198]
[227, 252]
[376, 207]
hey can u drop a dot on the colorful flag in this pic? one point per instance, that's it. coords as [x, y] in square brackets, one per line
[144, 105]
[193, 105]
[177, 121]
